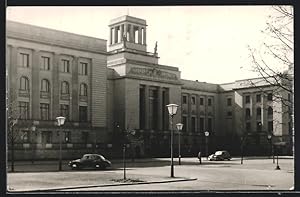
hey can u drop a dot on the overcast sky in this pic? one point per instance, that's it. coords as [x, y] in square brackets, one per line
[207, 43]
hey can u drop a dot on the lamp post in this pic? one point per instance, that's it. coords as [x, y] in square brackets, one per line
[206, 133]
[179, 128]
[242, 149]
[271, 146]
[60, 122]
[172, 108]
[32, 149]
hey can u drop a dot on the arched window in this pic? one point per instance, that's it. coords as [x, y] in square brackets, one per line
[45, 85]
[65, 87]
[24, 83]
[270, 111]
[83, 89]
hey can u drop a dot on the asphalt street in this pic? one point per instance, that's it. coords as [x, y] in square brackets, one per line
[154, 175]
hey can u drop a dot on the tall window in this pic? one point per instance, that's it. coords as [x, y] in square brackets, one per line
[270, 126]
[184, 122]
[184, 99]
[44, 109]
[64, 111]
[258, 111]
[67, 136]
[83, 89]
[83, 113]
[201, 101]
[45, 63]
[270, 96]
[83, 68]
[201, 124]
[45, 87]
[65, 66]
[193, 100]
[258, 126]
[258, 98]
[193, 126]
[85, 137]
[270, 111]
[24, 83]
[24, 60]
[248, 113]
[229, 102]
[65, 87]
[209, 102]
[24, 110]
[47, 137]
[247, 99]
[209, 124]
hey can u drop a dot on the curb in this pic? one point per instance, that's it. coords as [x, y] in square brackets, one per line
[104, 185]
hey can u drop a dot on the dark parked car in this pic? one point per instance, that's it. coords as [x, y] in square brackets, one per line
[219, 156]
[90, 161]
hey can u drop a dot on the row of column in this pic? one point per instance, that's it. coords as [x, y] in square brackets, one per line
[117, 32]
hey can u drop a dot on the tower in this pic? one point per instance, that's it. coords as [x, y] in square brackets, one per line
[127, 32]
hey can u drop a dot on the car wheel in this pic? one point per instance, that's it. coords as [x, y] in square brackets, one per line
[75, 166]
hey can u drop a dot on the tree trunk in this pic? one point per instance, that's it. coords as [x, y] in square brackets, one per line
[12, 151]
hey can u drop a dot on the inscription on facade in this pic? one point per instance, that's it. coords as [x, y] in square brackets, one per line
[155, 73]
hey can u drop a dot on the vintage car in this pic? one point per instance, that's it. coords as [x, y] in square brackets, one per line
[90, 161]
[219, 156]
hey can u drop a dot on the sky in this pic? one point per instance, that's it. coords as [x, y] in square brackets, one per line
[207, 43]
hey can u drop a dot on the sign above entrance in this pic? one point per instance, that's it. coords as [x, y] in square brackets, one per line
[152, 72]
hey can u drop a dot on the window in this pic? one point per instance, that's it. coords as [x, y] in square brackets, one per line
[65, 66]
[85, 137]
[24, 60]
[193, 100]
[83, 68]
[67, 136]
[82, 113]
[45, 85]
[270, 96]
[209, 124]
[270, 111]
[44, 109]
[248, 126]
[258, 111]
[270, 126]
[229, 113]
[65, 87]
[184, 122]
[184, 99]
[248, 99]
[248, 113]
[201, 101]
[201, 124]
[64, 111]
[24, 83]
[193, 124]
[258, 98]
[83, 89]
[258, 126]
[47, 137]
[24, 110]
[228, 101]
[45, 63]
[25, 136]
[209, 102]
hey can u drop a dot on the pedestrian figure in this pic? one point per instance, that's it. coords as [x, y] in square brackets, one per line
[199, 157]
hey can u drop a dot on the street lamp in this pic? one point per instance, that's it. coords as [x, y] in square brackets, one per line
[172, 108]
[179, 128]
[32, 149]
[60, 122]
[277, 166]
[242, 149]
[206, 133]
[271, 146]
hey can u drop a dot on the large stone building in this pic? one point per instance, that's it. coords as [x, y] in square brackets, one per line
[105, 91]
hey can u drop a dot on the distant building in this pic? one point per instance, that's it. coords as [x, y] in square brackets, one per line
[104, 92]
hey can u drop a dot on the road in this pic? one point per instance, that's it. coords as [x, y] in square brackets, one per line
[253, 174]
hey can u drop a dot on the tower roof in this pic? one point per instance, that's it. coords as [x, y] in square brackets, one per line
[128, 19]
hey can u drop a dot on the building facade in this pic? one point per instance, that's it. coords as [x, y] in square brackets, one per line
[108, 90]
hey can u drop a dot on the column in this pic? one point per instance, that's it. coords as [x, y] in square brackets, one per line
[111, 35]
[35, 81]
[159, 108]
[189, 118]
[56, 86]
[253, 113]
[146, 107]
[122, 32]
[75, 87]
[131, 33]
[125, 31]
[144, 41]
[140, 35]
[197, 113]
